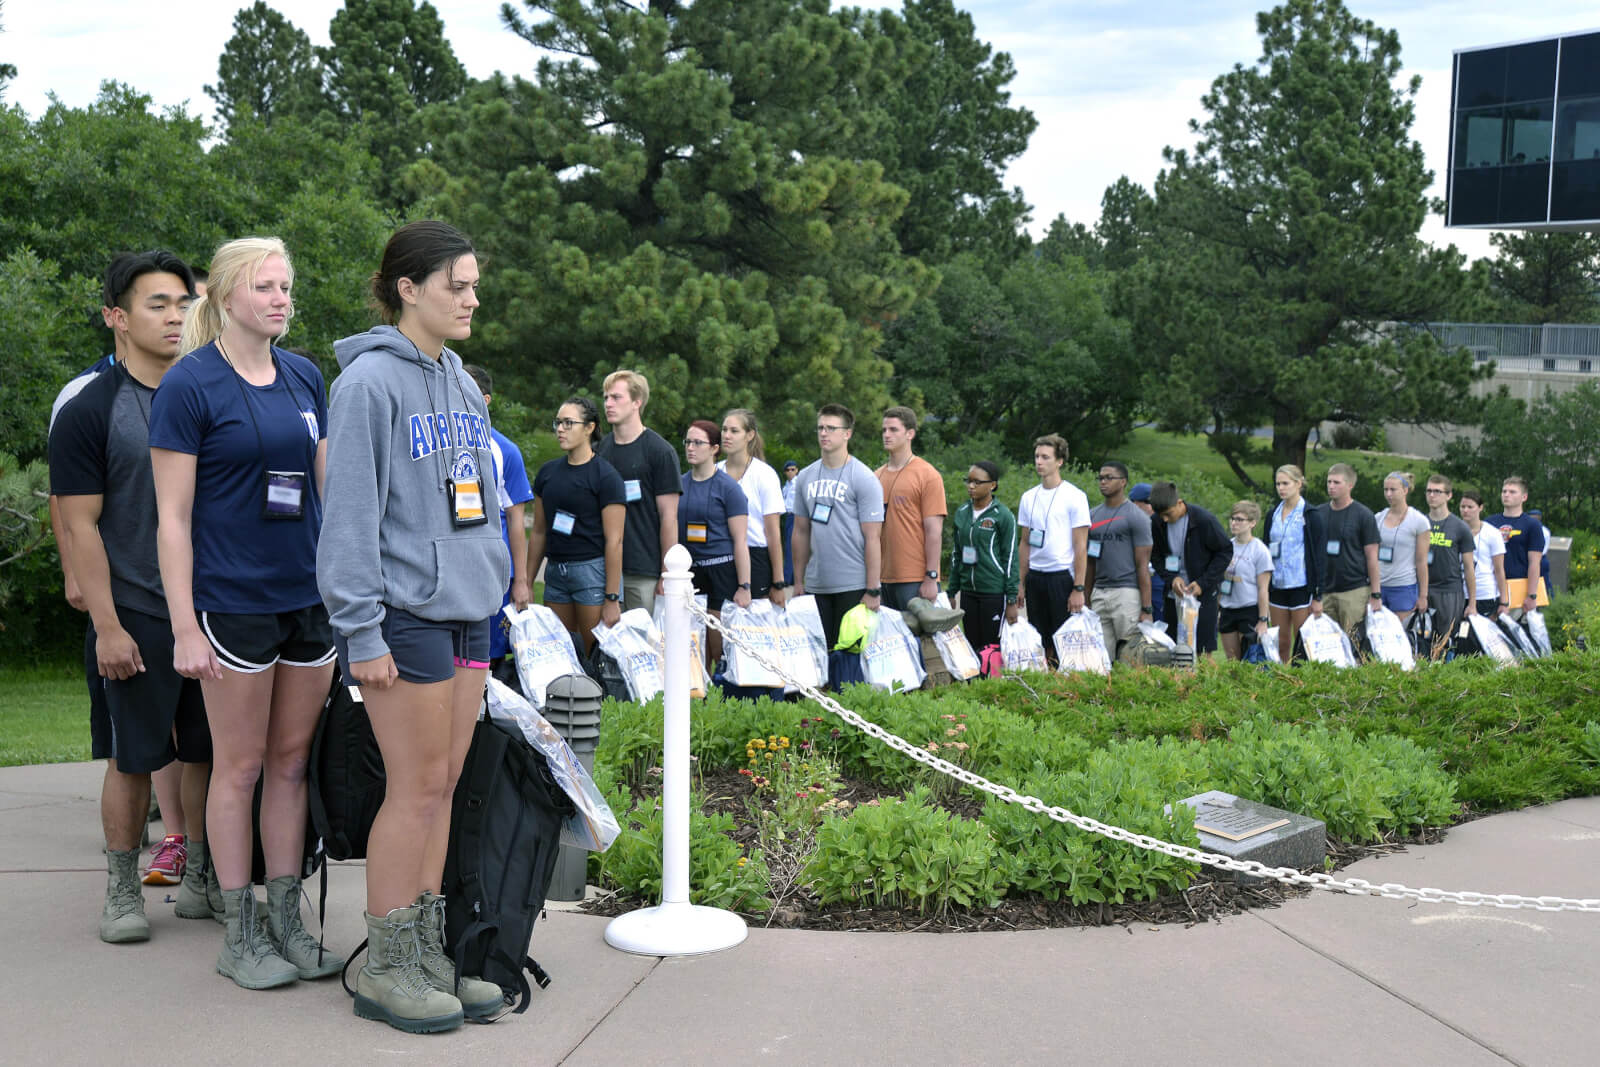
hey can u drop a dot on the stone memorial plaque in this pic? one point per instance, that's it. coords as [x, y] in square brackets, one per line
[1235, 824]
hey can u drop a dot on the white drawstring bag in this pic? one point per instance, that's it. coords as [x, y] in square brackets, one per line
[1081, 644]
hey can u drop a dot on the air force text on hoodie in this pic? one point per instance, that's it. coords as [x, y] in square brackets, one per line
[400, 426]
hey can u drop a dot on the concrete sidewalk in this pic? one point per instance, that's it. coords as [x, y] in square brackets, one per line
[1329, 979]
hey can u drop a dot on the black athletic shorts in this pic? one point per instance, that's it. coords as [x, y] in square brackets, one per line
[718, 581]
[425, 651]
[1289, 598]
[250, 644]
[760, 572]
[158, 715]
[99, 717]
[1238, 620]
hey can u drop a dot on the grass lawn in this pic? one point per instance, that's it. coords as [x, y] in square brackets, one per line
[44, 715]
[1151, 450]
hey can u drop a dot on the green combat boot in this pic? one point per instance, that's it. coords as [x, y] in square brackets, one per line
[122, 919]
[199, 894]
[288, 935]
[247, 955]
[392, 987]
[478, 998]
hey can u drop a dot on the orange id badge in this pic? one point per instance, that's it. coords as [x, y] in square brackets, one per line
[697, 533]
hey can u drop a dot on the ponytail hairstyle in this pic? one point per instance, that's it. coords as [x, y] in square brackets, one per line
[712, 431]
[1403, 477]
[588, 413]
[747, 418]
[235, 263]
[416, 250]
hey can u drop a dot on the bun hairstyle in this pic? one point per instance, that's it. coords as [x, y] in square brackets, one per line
[416, 250]
[235, 262]
[1293, 472]
[1403, 477]
[990, 470]
[588, 413]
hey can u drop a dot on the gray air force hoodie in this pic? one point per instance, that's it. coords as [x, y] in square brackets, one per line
[400, 424]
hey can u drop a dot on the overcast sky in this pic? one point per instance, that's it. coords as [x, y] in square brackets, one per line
[1111, 81]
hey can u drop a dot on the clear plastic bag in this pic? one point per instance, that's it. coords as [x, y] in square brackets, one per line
[593, 826]
[635, 644]
[542, 648]
[1533, 622]
[802, 645]
[1021, 647]
[1387, 636]
[956, 653]
[892, 657]
[1188, 621]
[1325, 642]
[1492, 642]
[697, 632]
[1521, 643]
[1081, 644]
[1269, 645]
[756, 627]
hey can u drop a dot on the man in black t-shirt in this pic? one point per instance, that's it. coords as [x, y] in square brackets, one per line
[1449, 561]
[651, 486]
[1352, 554]
[100, 474]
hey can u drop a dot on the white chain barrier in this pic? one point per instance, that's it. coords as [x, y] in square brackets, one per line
[1286, 875]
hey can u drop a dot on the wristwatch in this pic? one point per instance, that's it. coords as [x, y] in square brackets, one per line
[876, 591]
[1375, 596]
[1146, 609]
[778, 585]
[1262, 618]
[1077, 589]
[745, 586]
[614, 597]
[934, 575]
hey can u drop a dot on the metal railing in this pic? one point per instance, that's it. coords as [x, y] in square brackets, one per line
[1571, 349]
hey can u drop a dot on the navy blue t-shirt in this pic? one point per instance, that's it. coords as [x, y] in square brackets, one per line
[576, 494]
[703, 515]
[1523, 534]
[245, 563]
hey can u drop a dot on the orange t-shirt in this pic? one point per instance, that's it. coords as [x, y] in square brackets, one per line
[910, 494]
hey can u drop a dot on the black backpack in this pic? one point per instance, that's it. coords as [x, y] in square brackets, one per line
[345, 779]
[505, 831]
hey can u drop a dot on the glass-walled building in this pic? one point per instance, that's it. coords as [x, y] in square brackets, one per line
[1525, 135]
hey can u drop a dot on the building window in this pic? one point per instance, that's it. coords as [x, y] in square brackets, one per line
[1585, 366]
[1578, 129]
[1480, 138]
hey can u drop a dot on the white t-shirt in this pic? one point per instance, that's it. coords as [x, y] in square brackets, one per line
[764, 495]
[1399, 543]
[1249, 561]
[1487, 544]
[1055, 513]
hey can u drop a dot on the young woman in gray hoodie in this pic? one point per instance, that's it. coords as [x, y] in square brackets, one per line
[411, 569]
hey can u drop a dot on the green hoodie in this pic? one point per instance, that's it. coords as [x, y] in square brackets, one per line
[993, 537]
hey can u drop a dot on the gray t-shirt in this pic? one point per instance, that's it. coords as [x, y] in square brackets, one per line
[1399, 544]
[1177, 534]
[837, 502]
[1448, 539]
[1249, 561]
[1113, 535]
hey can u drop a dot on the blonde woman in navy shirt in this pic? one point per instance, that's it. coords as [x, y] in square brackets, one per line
[238, 443]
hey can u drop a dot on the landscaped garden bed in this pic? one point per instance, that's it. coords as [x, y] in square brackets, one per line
[798, 819]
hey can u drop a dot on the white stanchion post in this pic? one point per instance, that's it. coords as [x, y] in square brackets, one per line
[676, 927]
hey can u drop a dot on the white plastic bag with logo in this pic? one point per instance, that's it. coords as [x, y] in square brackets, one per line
[957, 654]
[542, 648]
[1521, 643]
[635, 644]
[755, 627]
[1325, 642]
[892, 656]
[1081, 644]
[1491, 640]
[1269, 645]
[802, 645]
[1188, 621]
[1387, 636]
[697, 631]
[593, 826]
[1021, 647]
[1533, 621]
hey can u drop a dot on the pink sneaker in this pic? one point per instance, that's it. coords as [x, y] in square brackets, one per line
[167, 861]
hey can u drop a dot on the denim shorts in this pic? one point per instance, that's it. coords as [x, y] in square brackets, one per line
[579, 582]
[425, 651]
[1400, 598]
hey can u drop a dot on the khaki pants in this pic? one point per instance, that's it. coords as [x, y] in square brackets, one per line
[1119, 614]
[1348, 609]
[639, 591]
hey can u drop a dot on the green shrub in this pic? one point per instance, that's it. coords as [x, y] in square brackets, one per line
[1573, 615]
[905, 854]
[720, 874]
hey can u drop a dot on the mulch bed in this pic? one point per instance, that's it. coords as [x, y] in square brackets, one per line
[1211, 896]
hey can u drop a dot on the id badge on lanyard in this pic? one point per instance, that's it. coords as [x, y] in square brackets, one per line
[563, 523]
[1385, 554]
[283, 496]
[969, 554]
[1333, 546]
[1276, 549]
[465, 491]
[1094, 549]
[821, 513]
[696, 533]
[631, 490]
[1036, 538]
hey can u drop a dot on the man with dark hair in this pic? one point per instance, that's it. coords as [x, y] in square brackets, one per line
[913, 514]
[1192, 552]
[1523, 535]
[838, 526]
[650, 486]
[514, 493]
[1353, 583]
[1449, 562]
[100, 471]
[1053, 523]
[1117, 576]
